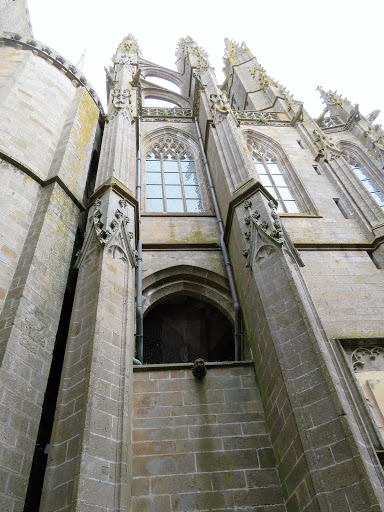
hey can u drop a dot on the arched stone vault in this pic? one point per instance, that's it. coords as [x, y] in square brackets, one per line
[188, 280]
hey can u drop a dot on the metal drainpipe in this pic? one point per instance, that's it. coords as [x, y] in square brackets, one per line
[139, 269]
[224, 249]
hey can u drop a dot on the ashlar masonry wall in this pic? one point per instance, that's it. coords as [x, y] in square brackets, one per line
[201, 445]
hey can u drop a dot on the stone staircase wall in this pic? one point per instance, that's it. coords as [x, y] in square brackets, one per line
[201, 445]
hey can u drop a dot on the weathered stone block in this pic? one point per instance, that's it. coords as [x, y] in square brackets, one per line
[163, 464]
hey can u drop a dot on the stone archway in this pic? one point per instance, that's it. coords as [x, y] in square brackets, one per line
[188, 313]
[184, 328]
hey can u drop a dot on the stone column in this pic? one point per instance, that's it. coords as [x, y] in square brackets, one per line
[321, 454]
[89, 461]
[28, 327]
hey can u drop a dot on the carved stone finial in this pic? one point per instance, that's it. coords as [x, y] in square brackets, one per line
[376, 135]
[331, 98]
[128, 47]
[199, 370]
[372, 116]
[123, 203]
[187, 46]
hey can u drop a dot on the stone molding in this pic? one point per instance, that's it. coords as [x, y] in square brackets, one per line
[270, 118]
[43, 183]
[187, 366]
[181, 247]
[52, 57]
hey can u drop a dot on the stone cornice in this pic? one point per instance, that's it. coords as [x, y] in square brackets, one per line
[325, 246]
[42, 183]
[52, 57]
[183, 366]
[198, 246]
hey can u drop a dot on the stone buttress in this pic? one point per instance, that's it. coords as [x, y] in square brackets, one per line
[50, 127]
[89, 459]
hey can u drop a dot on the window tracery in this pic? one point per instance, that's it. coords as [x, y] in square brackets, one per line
[171, 179]
[363, 176]
[272, 177]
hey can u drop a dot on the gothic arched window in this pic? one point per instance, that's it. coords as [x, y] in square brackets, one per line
[362, 174]
[271, 176]
[171, 179]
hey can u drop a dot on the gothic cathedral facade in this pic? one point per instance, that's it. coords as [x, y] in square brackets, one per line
[191, 297]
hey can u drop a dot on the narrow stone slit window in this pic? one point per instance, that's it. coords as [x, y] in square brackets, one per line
[317, 170]
[301, 143]
[341, 207]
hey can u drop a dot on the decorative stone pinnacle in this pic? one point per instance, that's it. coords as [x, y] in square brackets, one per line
[188, 46]
[235, 53]
[128, 48]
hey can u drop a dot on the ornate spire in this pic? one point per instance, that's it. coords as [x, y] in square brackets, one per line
[235, 53]
[127, 51]
[80, 64]
[188, 47]
[331, 98]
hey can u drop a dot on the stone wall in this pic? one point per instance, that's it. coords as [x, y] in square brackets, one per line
[48, 127]
[19, 198]
[201, 445]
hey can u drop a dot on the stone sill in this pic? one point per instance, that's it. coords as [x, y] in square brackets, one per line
[301, 215]
[176, 214]
[188, 366]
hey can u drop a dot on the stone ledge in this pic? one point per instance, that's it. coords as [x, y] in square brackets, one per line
[43, 183]
[183, 366]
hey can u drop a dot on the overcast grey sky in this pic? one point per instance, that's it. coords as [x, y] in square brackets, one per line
[302, 43]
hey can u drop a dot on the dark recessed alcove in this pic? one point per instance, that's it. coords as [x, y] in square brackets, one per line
[183, 329]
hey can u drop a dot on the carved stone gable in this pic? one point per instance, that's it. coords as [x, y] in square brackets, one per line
[111, 229]
[262, 241]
